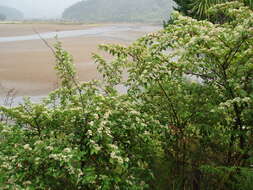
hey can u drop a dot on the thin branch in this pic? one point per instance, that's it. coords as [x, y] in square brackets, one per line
[170, 102]
[45, 42]
[37, 125]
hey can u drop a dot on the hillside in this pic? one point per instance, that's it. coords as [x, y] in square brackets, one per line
[119, 11]
[10, 13]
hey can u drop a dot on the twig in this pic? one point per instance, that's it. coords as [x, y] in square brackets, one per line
[45, 42]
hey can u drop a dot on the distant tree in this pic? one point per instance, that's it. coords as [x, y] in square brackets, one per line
[183, 6]
[11, 13]
[126, 11]
[2, 17]
[199, 8]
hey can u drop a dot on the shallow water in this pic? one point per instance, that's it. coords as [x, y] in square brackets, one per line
[19, 100]
[96, 31]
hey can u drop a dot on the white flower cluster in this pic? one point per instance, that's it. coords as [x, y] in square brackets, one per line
[62, 156]
[104, 129]
[6, 129]
[117, 158]
[67, 150]
[27, 183]
[96, 116]
[107, 114]
[89, 133]
[50, 148]
[27, 147]
[6, 165]
[115, 154]
[95, 146]
[38, 142]
[230, 103]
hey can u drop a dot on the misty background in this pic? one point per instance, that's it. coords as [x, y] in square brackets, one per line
[38, 9]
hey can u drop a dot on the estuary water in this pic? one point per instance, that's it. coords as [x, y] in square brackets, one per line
[96, 31]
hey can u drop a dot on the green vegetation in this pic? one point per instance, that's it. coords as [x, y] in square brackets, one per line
[10, 13]
[119, 11]
[185, 122]
[199, 8]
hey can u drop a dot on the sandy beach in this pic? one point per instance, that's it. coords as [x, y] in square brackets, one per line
[28, 66]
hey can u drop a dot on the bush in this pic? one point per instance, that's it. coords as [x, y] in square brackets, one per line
[184, 123]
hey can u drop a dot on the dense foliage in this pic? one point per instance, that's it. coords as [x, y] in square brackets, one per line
[11, 13]
[185, 122]
[119, 11]
[199, 8]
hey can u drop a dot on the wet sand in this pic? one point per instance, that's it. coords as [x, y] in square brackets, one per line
[28, 66]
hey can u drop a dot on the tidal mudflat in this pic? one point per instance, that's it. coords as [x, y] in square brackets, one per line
[27, 64]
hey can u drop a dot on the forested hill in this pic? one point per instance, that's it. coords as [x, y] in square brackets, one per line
[119, 11]
[11, 13]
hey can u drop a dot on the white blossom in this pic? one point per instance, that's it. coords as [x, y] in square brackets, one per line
[50, 148]
[89, 133]
[38, 142]
[27, 147]
[27, 183]
[67, 150]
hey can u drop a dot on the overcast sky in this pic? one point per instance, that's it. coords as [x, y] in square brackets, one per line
[39, 8]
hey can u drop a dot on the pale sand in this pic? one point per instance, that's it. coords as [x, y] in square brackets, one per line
[28, 66]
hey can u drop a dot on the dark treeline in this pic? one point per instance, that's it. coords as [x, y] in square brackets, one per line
[8, 13]
[119, 11]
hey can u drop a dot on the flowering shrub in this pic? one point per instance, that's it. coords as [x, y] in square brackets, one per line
[184, 123]
[196, 78]
[77, 138]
